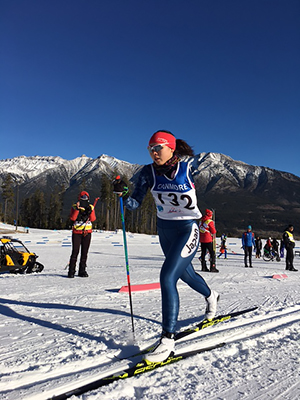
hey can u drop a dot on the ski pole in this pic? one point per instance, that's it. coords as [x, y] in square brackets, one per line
[126, 260]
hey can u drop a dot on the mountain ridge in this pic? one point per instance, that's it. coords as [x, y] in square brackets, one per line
[240, 193]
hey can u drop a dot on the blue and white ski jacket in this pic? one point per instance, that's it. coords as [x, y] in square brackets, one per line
[175, 197]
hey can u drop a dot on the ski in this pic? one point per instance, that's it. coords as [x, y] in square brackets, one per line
[139, 368]
[144, 366]
[196, 328]
[207, 323]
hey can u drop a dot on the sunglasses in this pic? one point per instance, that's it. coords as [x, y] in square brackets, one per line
[156, 148]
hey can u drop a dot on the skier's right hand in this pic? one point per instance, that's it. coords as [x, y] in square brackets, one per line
[120, 187]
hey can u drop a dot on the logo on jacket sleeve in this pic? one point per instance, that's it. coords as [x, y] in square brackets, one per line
[192, 243]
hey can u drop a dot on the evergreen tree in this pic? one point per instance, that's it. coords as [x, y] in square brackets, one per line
[33, 211]
[82, 187]
[39, 210]
[107, 201]
[25, 212]
[8, 197]
[54, 210]
[148, 214]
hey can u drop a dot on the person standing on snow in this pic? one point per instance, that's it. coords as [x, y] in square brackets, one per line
[207, 236]
[82, 214]
[275, 245]
[170, 180]
[258, 246]
[281, 248]
[223, 247]
[289, 244]
[247, 243]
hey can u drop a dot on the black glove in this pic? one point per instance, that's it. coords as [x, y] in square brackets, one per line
[120, 187]
[89, 209]
[84, 204]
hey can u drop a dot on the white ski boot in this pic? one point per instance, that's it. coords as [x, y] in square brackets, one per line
[211, 307]
[163, 350]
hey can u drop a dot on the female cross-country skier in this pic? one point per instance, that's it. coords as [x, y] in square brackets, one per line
[170, 180]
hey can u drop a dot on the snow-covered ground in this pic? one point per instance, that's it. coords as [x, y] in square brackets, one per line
[58, 333]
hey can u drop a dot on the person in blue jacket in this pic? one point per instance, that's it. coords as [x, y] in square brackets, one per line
[170, 179]
[248, 242]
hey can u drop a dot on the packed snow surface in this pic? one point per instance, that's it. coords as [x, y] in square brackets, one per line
[59, 333]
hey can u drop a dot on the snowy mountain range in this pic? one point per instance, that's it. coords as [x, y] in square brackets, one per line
[240, 193]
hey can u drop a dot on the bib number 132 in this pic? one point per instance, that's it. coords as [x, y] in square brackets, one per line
[177, 201]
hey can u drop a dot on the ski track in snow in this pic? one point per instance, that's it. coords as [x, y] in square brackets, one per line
[57, 333]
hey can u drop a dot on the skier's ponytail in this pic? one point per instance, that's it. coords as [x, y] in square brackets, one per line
[183, 149]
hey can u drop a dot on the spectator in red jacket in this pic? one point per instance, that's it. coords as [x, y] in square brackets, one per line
[207, 236]
[82, 214]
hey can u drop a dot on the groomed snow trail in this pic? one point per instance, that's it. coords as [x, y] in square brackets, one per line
[57, 333]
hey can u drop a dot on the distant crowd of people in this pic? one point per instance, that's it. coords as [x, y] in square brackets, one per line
[271, 248]
[250, 244]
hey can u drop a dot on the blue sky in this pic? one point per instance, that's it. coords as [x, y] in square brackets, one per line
[100, 76]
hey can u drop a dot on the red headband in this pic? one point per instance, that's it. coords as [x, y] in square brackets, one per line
[163, 138]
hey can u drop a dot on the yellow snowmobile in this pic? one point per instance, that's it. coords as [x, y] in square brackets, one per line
[16, 258]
